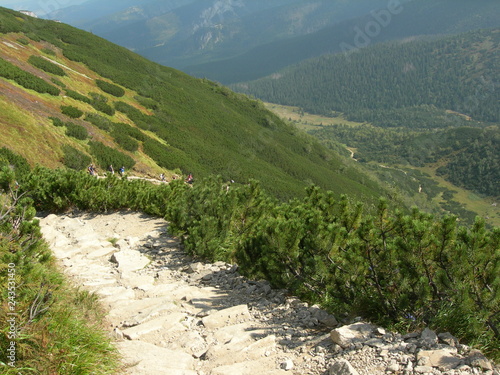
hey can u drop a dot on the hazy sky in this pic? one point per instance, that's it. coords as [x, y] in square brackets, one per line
[39, 6]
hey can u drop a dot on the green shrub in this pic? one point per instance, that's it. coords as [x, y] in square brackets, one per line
[142, 120]
[76, 131]
[103, 107]
[56, 121]
[166, 157]
[71, 111]
[14, 161]
[99, 102]
[46, 65]
[100, 121]
[58, 82]
[74, 158]
[33, 36]
[147, 102]
[125, 141]
[130, 130]
[77, 96]
[25, 79]
[110, 88]
[106, 156]
[48, 51]
[23, 41]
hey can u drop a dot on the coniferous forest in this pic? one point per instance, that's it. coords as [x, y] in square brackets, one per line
[388, 84]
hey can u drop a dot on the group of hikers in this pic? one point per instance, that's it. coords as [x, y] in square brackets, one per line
[93, 172]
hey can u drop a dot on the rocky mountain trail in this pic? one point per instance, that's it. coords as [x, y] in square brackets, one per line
[170, 314]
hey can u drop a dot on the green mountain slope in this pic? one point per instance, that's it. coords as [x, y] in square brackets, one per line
[113, 106]
[456, 73]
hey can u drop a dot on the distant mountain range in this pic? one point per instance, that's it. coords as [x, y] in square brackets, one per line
[240, 40]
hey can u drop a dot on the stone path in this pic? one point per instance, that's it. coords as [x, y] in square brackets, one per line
[172, 315]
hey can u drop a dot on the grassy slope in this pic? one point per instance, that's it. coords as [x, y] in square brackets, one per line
[26, 127]
[208, 128]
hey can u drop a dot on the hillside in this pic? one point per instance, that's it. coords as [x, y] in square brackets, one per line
[379, 23]
[153, 118]
[376, 84]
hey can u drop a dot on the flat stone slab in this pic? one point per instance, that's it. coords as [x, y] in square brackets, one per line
[163, 323]
[229, 316]
[130, 260]
[112, 294]
[133, 280]
[143, 358]
[249, 350]
[100, 253]
[261, 367]
[441, 359]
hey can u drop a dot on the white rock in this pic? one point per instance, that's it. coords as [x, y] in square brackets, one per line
[442, 359]
[232, 315]
[351, 334]
[129, 260]
[287, 365]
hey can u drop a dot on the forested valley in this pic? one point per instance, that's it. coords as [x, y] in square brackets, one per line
[426, 102]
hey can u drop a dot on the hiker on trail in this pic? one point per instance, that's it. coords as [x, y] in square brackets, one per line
[162, 177]
[110, 169]
[91, 169]
[190, 179]
[122, 171]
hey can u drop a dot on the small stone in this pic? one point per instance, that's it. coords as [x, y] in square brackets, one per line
[448, 339]
[477, 359]
[429, 337]
[117, 334]
[423, 369]
[393, 367]
[342, 367]
[195, 267]
[351, 334]
[287, 365]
